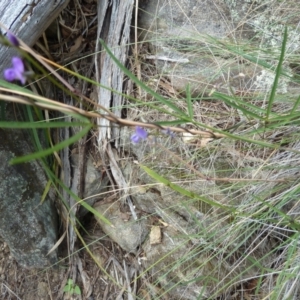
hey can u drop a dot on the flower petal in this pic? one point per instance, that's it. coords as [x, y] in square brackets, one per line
[13, 40]
[10, 74]
[18, 64]
[22, 78]
[168, 132]
[141, 132]
[135, 138]
[18, 68]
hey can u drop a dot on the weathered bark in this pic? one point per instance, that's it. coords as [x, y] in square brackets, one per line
[114, 28]
[27, 21]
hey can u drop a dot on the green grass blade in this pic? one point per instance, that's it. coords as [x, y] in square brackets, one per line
[57, 147]
[295, 106]
[90, 209]
[183, 191]
[241, 105]
[170, 123]
[189, 101]
[57, 182]
[277, 75]
[39, 125]
[14, 87]
[254, 58]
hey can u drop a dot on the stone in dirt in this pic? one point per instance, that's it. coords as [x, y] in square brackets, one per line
[28, 226]
[199, 42]
[128, 233]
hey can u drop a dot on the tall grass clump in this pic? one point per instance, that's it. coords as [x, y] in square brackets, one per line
[237, 189]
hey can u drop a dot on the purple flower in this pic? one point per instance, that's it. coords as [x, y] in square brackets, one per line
[13, 40]
[140, 134]
[16, 72]
[168, 132]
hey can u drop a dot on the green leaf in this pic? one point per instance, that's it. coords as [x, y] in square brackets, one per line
[67, 289]
[68, 286]
[77, 290]
[70, 282]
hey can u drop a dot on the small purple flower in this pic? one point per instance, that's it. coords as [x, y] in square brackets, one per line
[16, 72]
[169, 132]
[12, 39]
[140, 134]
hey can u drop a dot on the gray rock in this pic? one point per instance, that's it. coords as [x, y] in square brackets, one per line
[182, 19]
[28, 226]
[198, 42]
[129, 234]
[264, 20]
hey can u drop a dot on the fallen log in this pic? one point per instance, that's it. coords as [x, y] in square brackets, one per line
[27, 21]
